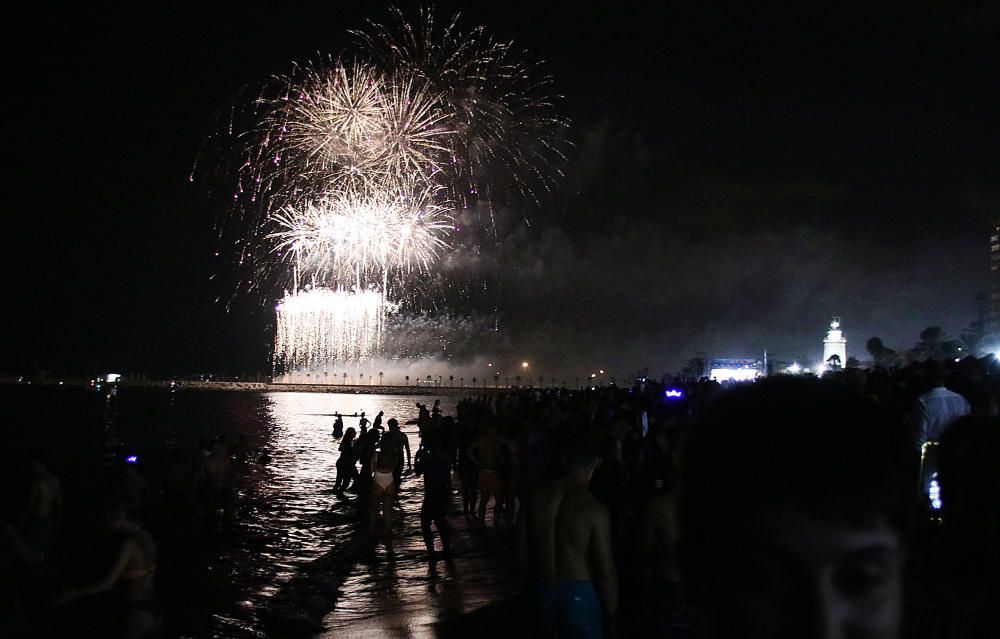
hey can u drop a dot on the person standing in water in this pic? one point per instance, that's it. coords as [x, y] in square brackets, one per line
[346, 469]
[383, 487]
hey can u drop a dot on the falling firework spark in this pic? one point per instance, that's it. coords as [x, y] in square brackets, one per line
[317, 327]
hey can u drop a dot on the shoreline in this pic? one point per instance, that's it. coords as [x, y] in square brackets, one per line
[264, 387]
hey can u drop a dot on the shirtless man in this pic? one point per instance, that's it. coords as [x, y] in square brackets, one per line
[42, 513]
[489, 453]
[564, 547]
[396, 439]
[665, 611]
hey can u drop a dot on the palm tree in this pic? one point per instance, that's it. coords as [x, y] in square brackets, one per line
[380, 374]
[451, 380]
[407, 380]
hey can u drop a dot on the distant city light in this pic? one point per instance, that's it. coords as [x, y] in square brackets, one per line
[934, 493]
[794, 369]
[734, 374]
[132, 459]
[674, 393]
[112, 378]
[524, 364]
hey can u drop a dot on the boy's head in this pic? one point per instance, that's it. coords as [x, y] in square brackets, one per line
[792, 511]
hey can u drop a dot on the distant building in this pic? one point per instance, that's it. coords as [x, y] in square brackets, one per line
[835, 344]
[735, 369]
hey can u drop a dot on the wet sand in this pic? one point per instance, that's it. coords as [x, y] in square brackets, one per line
[398, 593]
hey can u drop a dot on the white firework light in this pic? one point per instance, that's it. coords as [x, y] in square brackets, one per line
[352, 173]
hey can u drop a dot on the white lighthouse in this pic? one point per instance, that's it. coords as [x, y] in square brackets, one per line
[835, 344]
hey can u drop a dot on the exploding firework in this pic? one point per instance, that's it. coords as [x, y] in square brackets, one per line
[503, 129]
[358, 237]
[352, 173]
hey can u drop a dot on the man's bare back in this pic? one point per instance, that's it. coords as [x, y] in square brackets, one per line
[564, 545]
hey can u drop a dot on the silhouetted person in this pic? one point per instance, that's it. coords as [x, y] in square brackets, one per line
[935, 411]
[433, 462]
[938, 407]
[130, 575]
[564, 549]
[338, 426]
[347, 470]
[665, 610]
[954, 587]
[398, 440]
[41, 514]
[489, 453]
[215, 485]
[383, 486]
[366, 448]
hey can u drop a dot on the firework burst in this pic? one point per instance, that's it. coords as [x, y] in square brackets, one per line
[352, 172]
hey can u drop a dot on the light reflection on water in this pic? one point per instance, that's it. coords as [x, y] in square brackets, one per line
[299, 480]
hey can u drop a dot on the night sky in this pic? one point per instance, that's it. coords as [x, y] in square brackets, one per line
[739, 177]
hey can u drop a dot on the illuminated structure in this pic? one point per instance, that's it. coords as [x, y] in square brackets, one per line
[835, 344]
[735, 369]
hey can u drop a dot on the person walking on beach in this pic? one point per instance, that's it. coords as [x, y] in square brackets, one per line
[377, 424]
[489, 453]
[434, 463]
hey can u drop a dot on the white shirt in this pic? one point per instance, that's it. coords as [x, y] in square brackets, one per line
[936, 410]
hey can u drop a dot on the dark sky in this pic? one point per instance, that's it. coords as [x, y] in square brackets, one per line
[740, 176]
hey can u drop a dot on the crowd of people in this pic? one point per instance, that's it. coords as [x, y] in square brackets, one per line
[862, 504]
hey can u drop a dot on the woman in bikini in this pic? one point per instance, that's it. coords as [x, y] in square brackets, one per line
[130, 574]
[383, 486]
